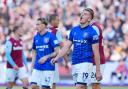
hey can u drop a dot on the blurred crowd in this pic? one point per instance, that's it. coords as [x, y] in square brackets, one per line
[112, 14]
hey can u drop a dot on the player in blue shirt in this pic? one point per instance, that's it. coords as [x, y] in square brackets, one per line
[45, 46]
[53, 28]
[85, 41]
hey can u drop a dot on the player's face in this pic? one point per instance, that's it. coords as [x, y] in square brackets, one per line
[40, 26]
[85, 17]
[19, 32]
[56, 21]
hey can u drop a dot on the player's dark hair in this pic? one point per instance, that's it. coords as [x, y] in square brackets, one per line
[43, 20]
[52, 17]
[15, 28]
[90, 11]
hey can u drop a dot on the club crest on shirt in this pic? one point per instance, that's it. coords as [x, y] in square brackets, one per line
[46, 40]
[85, 35]
[36, 41]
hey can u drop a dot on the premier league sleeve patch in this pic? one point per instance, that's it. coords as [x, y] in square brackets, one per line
[56, 42]
[95, 37]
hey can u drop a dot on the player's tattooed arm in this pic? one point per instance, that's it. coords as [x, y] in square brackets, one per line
[63, 51]
[44, 58]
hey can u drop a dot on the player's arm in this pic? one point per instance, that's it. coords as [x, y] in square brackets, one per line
[63, 51]
[24, 60]
[54, 44]
[65, 48]
[62, 41]
[33, 53]
[95, 48]
[33, 59]
[8, 49]
[45, 58]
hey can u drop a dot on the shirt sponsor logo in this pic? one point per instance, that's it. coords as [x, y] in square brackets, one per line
[42, 47]
[80, 41]
[18, 48]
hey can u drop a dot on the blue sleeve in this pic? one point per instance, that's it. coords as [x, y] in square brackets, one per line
[33, 45]
[53, 41]
[71, 36]
[24, 58]
[8, 49]
[94, 36]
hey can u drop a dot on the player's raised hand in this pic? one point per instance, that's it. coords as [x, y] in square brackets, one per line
[16, 67]
[43, 59]
[98, 76]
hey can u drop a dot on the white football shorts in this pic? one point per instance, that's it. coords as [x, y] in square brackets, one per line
[56, 75]
[42, 78]
[11, 74]
[82, 72]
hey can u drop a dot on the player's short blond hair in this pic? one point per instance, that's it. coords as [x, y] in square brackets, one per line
[90, 11]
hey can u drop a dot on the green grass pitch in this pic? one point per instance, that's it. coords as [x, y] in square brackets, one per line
[74, 87]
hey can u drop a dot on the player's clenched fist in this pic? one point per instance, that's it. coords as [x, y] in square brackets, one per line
[16, 67]
[98, 75]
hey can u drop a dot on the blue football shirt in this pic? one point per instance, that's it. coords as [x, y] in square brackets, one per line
[82, 39]
[44, 45]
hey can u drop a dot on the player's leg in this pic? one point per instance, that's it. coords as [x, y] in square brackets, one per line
[54, 86]
[81, 86]
[96, 86]
[10, 77]
[47, 79]
[82, 74]
[35, 79]
[95, 83]
[25, 83]
[22, 74]
[34, 86]
[10, 85]
[81, 82]
[56, 76]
